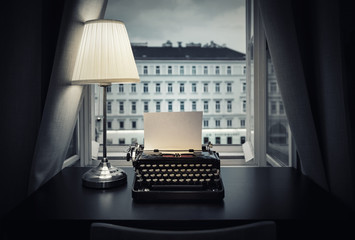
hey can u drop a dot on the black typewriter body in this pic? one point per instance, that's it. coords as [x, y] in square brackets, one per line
[170, 175]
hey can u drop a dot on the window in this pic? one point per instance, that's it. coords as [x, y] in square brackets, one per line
[157, 106]
[218, 106]
[157, 70]
[205, 70]
[193, 105]
[193, 87]
[145, 70]
[244, 105]
[121, 124]
[242, 122]
[229, 87]
[133, 87]
[281, 108]
[170, 87]
[170, 70]
[157, 87]
[120, 88]
[145, 88]
[182, 87]
[229, 106]
[229, 123]
[273, 107]
[205, 123]
[205, 87]
[134, 107]
[218, 140]
[193, 70]
[244, 87]
[217, 70]
[182, 71]
[109, 89]
[205, 106]
[273, 87]
[229, 140]
[217, 88]
[134, 124]
[121, 107]
[109, 107]
[170, 106]
[182, 106]
[205, 140]
[121, 141]
[146, 106]
[229, 70]
[109, 125]
[218, 123]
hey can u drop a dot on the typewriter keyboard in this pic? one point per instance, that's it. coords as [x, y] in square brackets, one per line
[177, 178]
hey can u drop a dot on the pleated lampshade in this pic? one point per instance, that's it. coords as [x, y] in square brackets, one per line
[105, 55]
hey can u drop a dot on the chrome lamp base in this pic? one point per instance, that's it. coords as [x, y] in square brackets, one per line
[104, 176]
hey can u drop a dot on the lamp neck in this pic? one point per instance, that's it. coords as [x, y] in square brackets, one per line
[104, 88]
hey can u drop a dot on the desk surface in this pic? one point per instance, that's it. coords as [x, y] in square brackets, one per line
[250, 194]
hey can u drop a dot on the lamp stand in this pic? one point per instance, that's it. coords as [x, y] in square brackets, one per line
[104, 175]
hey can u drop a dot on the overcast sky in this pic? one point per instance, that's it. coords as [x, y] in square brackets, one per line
[198, 21]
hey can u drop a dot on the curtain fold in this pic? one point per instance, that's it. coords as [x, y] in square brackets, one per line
[63, 100]
[281, 36]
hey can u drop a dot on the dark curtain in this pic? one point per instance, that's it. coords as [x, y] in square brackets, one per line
[309, 43]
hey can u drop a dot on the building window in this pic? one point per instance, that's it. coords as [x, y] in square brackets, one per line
[218, 106]
[229, 70]
[273, 107]
[182, 71]
[229, 106]
[121, 124]
[157, 87]
[193, 87]
[145, 88]
[157, 70]
[229, 87]
[242, 123]
[193, 107]
[170, 106]
[109, 89]
[205, 140]
[229, 140]
[281, 108]
[109, 107]
[145, 70]
[121, 109]
[205, 87]
[217, 70]
[218, 123]
[134, 141]
[244, 105]
[182, 106]
[121, 141]
[146, 107]
[157, 106]
[205, 70]
[120, 88]
[134, 124]
[273, 87]
[170, 87]
[134, 107]
[170, 70]
[218, 140]
[193, 70]
[109, 125]
[217, 88]
[229, 123]
[182, 87]
[205, 106]
[205, 123]
[244, 87]
[133, 87]
[244, 70]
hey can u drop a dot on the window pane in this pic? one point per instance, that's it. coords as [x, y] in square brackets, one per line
[278, 133]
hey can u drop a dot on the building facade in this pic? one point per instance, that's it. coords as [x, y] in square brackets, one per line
[208, 78]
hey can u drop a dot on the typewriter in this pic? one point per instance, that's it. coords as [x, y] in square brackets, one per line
[176, 175]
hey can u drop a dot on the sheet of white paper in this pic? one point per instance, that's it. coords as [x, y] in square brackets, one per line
[173, 131]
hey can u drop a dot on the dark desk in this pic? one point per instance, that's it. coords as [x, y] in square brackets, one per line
[251, 194]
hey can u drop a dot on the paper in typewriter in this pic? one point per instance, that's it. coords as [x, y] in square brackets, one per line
[173, 131]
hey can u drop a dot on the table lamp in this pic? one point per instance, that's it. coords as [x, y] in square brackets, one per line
[104, 57]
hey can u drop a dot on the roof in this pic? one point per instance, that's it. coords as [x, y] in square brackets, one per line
[186, 53]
